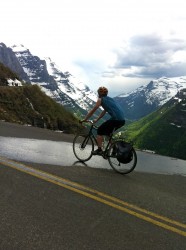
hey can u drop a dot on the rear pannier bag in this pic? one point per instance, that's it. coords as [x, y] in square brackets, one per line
[124, 152]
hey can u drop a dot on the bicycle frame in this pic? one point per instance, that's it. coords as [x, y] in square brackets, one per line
[90, 134]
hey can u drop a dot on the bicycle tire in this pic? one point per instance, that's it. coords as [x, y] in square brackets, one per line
[118, 166]
[83, 152]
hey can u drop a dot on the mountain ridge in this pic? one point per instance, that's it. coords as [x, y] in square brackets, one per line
[148, 98]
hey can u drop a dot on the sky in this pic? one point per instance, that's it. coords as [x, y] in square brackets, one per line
[120, 44]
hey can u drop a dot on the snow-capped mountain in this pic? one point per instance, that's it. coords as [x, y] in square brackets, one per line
[63, 87]
[150, 97]
[71, 93]
[69, 85]
[8, 58]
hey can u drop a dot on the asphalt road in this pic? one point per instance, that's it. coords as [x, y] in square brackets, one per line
[76, 207]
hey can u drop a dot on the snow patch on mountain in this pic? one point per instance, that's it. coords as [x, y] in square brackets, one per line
[19, 48]
[160, 90]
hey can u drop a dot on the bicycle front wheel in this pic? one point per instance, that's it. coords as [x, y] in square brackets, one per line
[83, 146]
[122, 168]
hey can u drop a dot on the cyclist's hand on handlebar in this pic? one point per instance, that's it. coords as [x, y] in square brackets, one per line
[82, 121]
[88, 121]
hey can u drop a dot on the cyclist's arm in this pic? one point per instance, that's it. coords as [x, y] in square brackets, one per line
[100, 116]
[91, 112]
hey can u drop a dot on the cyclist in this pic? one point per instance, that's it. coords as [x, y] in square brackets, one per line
[109, 106]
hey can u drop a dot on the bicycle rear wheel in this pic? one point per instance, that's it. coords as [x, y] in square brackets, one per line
[83, 146]
[122, 168]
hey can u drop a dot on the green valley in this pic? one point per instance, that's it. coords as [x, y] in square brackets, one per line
[163, 131]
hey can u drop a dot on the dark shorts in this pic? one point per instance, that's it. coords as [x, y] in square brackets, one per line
[107, 127]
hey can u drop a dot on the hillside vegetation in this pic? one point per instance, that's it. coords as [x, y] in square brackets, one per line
[6, 73]
[29, 105]
[163, 131]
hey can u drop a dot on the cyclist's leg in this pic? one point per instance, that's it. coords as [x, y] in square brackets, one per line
[101, 131]
[112, 126]
[109, 126]
[99, 150]
[99, 140]
[118, 124]
[106, 128]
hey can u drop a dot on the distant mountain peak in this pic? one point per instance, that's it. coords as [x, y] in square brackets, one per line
[148, 98]
[9, 59]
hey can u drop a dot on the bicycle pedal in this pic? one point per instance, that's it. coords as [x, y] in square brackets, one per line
[105, 156]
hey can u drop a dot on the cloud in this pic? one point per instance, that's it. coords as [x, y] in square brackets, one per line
[152, 56]
[109, 74]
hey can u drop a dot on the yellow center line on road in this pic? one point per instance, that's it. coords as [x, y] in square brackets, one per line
[100, 197]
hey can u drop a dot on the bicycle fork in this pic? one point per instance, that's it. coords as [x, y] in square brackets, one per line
[84, 143]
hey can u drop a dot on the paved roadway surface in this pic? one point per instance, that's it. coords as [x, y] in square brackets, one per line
[57, 207]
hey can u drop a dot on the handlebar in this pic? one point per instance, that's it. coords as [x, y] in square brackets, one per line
[89, 121]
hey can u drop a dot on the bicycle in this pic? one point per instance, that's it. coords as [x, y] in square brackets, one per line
[83, 145]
